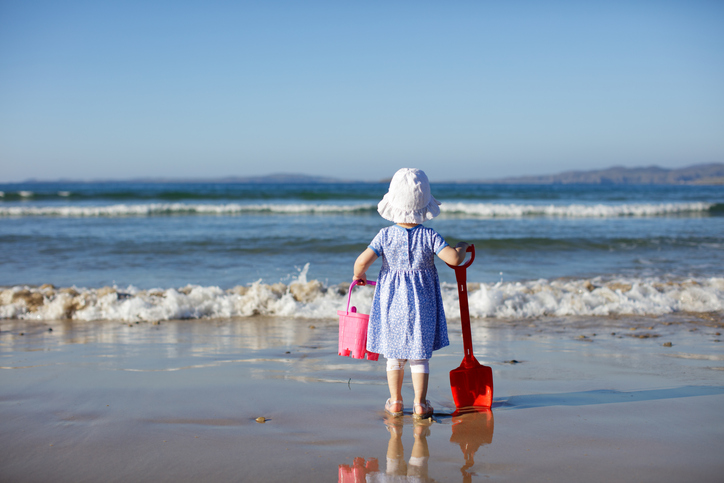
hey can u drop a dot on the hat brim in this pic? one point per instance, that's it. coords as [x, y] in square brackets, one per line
[399, 215]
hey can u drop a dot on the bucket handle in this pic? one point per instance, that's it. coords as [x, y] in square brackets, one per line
[356, 282]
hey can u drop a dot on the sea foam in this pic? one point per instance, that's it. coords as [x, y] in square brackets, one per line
[472, 210]
[311, 299]
[493, 210]
[150, 209]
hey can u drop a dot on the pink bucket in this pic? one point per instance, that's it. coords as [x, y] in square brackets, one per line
[353, 331]
[358, 471]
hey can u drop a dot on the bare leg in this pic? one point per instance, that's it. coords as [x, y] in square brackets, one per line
[394, 381]
[419, 383]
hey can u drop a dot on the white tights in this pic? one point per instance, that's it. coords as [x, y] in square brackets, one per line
[417, 366]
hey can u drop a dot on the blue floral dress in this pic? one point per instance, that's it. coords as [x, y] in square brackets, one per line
[407, 319]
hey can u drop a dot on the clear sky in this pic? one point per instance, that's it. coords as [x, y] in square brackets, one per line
[356, 89]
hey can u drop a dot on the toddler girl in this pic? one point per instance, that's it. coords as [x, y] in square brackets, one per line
[407, 319]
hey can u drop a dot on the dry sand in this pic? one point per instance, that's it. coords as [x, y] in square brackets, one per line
[178, 402]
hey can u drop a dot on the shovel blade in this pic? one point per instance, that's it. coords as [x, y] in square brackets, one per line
[472, 387]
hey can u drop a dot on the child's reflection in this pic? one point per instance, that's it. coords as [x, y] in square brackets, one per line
[470, 431]
[397, 470]
[416, 466]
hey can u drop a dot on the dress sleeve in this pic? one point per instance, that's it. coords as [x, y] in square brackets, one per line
[377, 243]
[438, 242]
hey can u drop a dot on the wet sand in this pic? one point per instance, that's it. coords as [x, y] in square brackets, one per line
[178, 402]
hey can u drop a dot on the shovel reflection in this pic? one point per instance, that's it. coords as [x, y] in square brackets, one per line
[471, 431]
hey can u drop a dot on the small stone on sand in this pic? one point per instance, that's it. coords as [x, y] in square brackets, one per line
[668, 344]
[260, 419]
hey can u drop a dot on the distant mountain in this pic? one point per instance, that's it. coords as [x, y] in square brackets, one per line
[276, 178]
[271, 178]
[698, 174]
[280, 178]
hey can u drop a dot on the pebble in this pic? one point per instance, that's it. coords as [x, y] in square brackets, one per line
[668, 344]
[312, 327]
[260, 419]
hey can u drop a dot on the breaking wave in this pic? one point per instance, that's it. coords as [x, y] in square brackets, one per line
[474, 210]
[150, 209]
[311, 299]
[493, 210]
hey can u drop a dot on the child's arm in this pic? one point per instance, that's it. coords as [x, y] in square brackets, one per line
[363, 263]
[454, 256]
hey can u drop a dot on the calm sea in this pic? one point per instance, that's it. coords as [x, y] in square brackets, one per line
[131, 251]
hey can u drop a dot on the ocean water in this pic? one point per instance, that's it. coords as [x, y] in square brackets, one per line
[154, 251]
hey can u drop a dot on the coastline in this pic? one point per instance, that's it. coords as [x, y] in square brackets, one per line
[177, 401]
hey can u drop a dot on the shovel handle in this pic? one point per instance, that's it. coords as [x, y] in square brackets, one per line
[461, 278]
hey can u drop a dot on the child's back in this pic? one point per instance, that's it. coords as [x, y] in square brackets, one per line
[407, 319]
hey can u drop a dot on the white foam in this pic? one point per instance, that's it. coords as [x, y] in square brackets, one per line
[177, 208]
[599, 297]
[493, 210]
[476, 210]
[311, 299]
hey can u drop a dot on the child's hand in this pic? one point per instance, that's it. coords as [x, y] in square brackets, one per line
[463, 245]
[362, 278]
[454, 256]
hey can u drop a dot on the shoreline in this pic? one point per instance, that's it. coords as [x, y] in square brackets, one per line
[177, 401]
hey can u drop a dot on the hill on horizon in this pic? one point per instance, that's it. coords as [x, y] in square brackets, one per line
[711, 174]
[698, 174]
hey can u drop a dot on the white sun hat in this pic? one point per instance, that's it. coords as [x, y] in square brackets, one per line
[409, 199]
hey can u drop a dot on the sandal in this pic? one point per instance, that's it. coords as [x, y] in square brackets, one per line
[388, 405]
[427, 410]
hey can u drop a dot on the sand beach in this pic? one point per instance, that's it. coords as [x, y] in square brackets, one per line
[186, 186]
[588, 399]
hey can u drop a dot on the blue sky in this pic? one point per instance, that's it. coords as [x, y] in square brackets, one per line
[479, 89]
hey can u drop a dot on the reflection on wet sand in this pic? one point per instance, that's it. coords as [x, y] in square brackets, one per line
[470, 431]
[357, 473]
[197, 336]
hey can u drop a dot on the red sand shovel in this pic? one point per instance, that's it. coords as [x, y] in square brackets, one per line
[472, 382]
